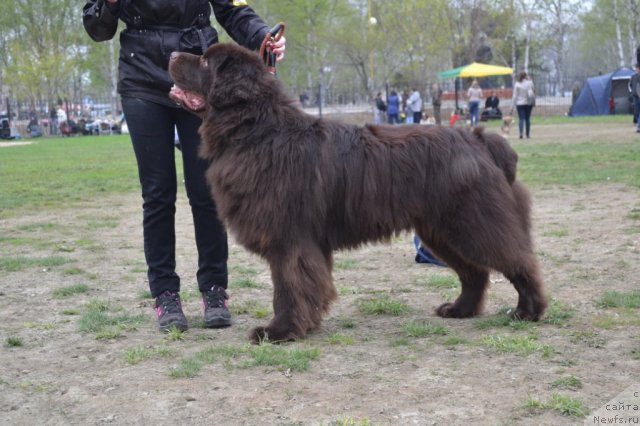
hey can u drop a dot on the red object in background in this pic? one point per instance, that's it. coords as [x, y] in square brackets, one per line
[612, 105]
[452, 120]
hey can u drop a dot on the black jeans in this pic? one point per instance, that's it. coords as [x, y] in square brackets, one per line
[524, 118]
[151, 126]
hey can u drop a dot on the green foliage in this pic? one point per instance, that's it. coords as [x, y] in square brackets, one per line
[382, 306]
[340, 339]
[42, 49]
[564, 404]
[424, 328]
[99, 319]
[521, 345]
[351, 421]
[287, 358]
[244, 283]
[568, 382]
[174, 334]
[443, 281]
[137, 354]
[20, 263]
[70, 290]
[558, 313]
[13, 342]
[619, 299]
[502, 319]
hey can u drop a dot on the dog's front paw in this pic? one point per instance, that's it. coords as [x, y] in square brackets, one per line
[259, 335]
[525, 315]
[272, 335]
[455, 310]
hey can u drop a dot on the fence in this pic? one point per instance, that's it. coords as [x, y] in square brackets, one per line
[551, 100]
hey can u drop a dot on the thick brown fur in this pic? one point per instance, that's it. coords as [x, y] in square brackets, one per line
[293, 188]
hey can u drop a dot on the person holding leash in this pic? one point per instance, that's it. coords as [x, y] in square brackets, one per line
[153, 30]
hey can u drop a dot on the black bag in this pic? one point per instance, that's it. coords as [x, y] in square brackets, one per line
[381, 105]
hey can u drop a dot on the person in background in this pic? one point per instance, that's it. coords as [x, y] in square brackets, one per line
[523, 91]
[61, 115]
[436, 100]
[393, 109]
[155, 29]
[415, 103]
[474, 95]
[634, 89]
[406, 108]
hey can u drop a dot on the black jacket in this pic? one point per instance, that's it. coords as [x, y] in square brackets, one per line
[157, 28]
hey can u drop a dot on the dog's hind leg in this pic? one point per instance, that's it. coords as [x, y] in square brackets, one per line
[302, 292]
[474, 280]
[525, 277]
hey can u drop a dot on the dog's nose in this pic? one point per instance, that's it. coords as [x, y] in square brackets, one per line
[174, 56]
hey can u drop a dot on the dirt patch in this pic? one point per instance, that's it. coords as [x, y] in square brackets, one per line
[369, 367]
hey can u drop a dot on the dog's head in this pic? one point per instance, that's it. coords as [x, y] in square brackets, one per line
[225, 75]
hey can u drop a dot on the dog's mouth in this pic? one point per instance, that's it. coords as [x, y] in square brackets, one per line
[187, 99]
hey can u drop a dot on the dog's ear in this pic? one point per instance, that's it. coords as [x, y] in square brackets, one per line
[234, 79]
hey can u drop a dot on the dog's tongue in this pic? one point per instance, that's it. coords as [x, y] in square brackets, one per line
[187, 99]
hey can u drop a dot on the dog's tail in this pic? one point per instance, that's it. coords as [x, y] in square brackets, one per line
[503, 155]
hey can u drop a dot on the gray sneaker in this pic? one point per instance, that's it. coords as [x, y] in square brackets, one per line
[169, 311]
[216, 312]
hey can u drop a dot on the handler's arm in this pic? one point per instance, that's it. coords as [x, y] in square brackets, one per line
[240, 22]
[100, 19]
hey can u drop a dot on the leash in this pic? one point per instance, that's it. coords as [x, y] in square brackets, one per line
[266, 53]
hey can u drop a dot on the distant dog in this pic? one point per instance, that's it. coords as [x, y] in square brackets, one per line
[293, 188]
[506, 124]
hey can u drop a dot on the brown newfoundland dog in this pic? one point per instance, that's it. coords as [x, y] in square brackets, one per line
[293, 188]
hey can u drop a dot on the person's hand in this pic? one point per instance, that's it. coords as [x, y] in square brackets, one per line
[278, 47]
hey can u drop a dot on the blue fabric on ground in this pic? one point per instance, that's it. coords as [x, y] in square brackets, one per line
[424, 255]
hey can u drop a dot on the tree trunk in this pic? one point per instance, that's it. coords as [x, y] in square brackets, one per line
[616, 19]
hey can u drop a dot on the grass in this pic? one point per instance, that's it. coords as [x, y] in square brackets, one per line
[455, 341]
[285, 358]
[351, 421]
[564, 404]
[174, 334]
[98, 319]
[568, 382]
[443, 281]
[634, 214]
[70, 290]
[502, 319]
[340, 339]
[138, 354]
[57, 172]
[382, 306]
[619, 299]
[251, 307]
[560, 163]
[423, 329]
[244, 283]
[520, 345]
[345, 264]
[558, 313]
[20, 263]
[13, 342]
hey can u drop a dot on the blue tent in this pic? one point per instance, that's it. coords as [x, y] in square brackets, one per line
[598, 92]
